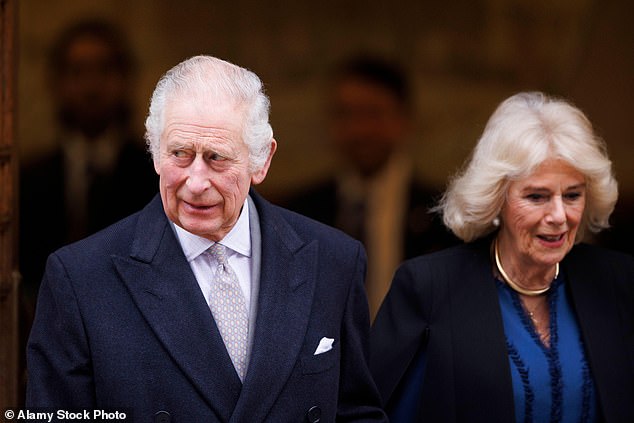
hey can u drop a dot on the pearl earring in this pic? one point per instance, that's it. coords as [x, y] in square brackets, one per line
[496, 221]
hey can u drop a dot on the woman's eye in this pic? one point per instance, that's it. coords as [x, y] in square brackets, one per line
[536, 197]
[572, 196]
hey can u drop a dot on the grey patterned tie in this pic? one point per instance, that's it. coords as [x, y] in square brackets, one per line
[229, 309]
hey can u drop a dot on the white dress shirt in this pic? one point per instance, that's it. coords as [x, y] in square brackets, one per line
[238, 243]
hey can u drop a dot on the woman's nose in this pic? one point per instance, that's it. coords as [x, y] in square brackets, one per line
[557, 211]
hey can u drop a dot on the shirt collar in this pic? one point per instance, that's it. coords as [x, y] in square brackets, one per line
[238, 239]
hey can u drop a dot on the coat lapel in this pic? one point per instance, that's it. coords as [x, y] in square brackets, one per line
[480, 351]
[165, 290]
[596, 305]
[287, 283]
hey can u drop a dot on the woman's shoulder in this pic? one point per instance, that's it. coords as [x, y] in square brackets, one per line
[592, 262]
[589, 253]
[436, 269]
[451, 256]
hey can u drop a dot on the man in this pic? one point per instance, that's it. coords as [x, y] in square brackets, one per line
[376, 197]
[211, 304]
[98, 171]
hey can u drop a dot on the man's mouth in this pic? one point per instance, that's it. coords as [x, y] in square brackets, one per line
[199, 207]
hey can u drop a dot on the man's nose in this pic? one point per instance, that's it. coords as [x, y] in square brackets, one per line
[198, 178]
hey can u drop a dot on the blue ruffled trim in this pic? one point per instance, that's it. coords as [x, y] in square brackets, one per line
[553, 359]
[585, 399]
[552, 353]
[529, 395]
[587, 390]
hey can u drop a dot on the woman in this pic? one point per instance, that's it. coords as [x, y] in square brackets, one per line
[522, 323]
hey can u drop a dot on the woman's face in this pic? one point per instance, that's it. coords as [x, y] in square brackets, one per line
[541, 215]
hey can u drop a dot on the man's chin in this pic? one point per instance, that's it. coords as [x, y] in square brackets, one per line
[200, 227]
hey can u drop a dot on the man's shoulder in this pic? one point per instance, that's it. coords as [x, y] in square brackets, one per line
[115, 237]
[118, 238]
[307, 228]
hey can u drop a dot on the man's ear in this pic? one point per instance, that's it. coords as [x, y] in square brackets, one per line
[157, 168]
[258, 176]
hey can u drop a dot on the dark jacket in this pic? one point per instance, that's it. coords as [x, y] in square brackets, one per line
[122, 324]
[422, 231]
[44, 224]
[445, 305]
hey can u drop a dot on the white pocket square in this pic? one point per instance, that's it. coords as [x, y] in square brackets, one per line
[325, 345]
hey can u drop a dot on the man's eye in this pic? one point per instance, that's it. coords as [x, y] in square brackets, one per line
[179, 154]
[215, 157]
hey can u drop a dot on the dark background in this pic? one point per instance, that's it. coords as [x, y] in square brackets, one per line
[464, 57]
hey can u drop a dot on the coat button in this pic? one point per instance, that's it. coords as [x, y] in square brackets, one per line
[162, 417]
[314, 414]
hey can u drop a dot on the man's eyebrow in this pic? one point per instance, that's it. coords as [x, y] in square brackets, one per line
[178, 143]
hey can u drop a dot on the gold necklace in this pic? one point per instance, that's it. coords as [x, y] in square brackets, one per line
[516, 287]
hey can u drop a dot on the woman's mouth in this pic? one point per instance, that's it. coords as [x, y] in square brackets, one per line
[551, 238]
[552, 241]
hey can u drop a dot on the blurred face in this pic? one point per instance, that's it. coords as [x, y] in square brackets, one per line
[541, 217]
[91, 90]
[368, 124]
[204, 166]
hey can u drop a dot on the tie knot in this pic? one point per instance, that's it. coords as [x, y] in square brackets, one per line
[219, 252]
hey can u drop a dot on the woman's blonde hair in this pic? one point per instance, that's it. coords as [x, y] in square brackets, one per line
[524, 131]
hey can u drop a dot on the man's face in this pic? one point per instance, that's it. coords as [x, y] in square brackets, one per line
[91, 90]
[368, 124]
[204, 166]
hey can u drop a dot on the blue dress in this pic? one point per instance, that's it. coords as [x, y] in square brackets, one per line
[550, 384]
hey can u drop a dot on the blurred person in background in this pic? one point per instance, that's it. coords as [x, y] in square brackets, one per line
[98, 171]
[375, 196]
